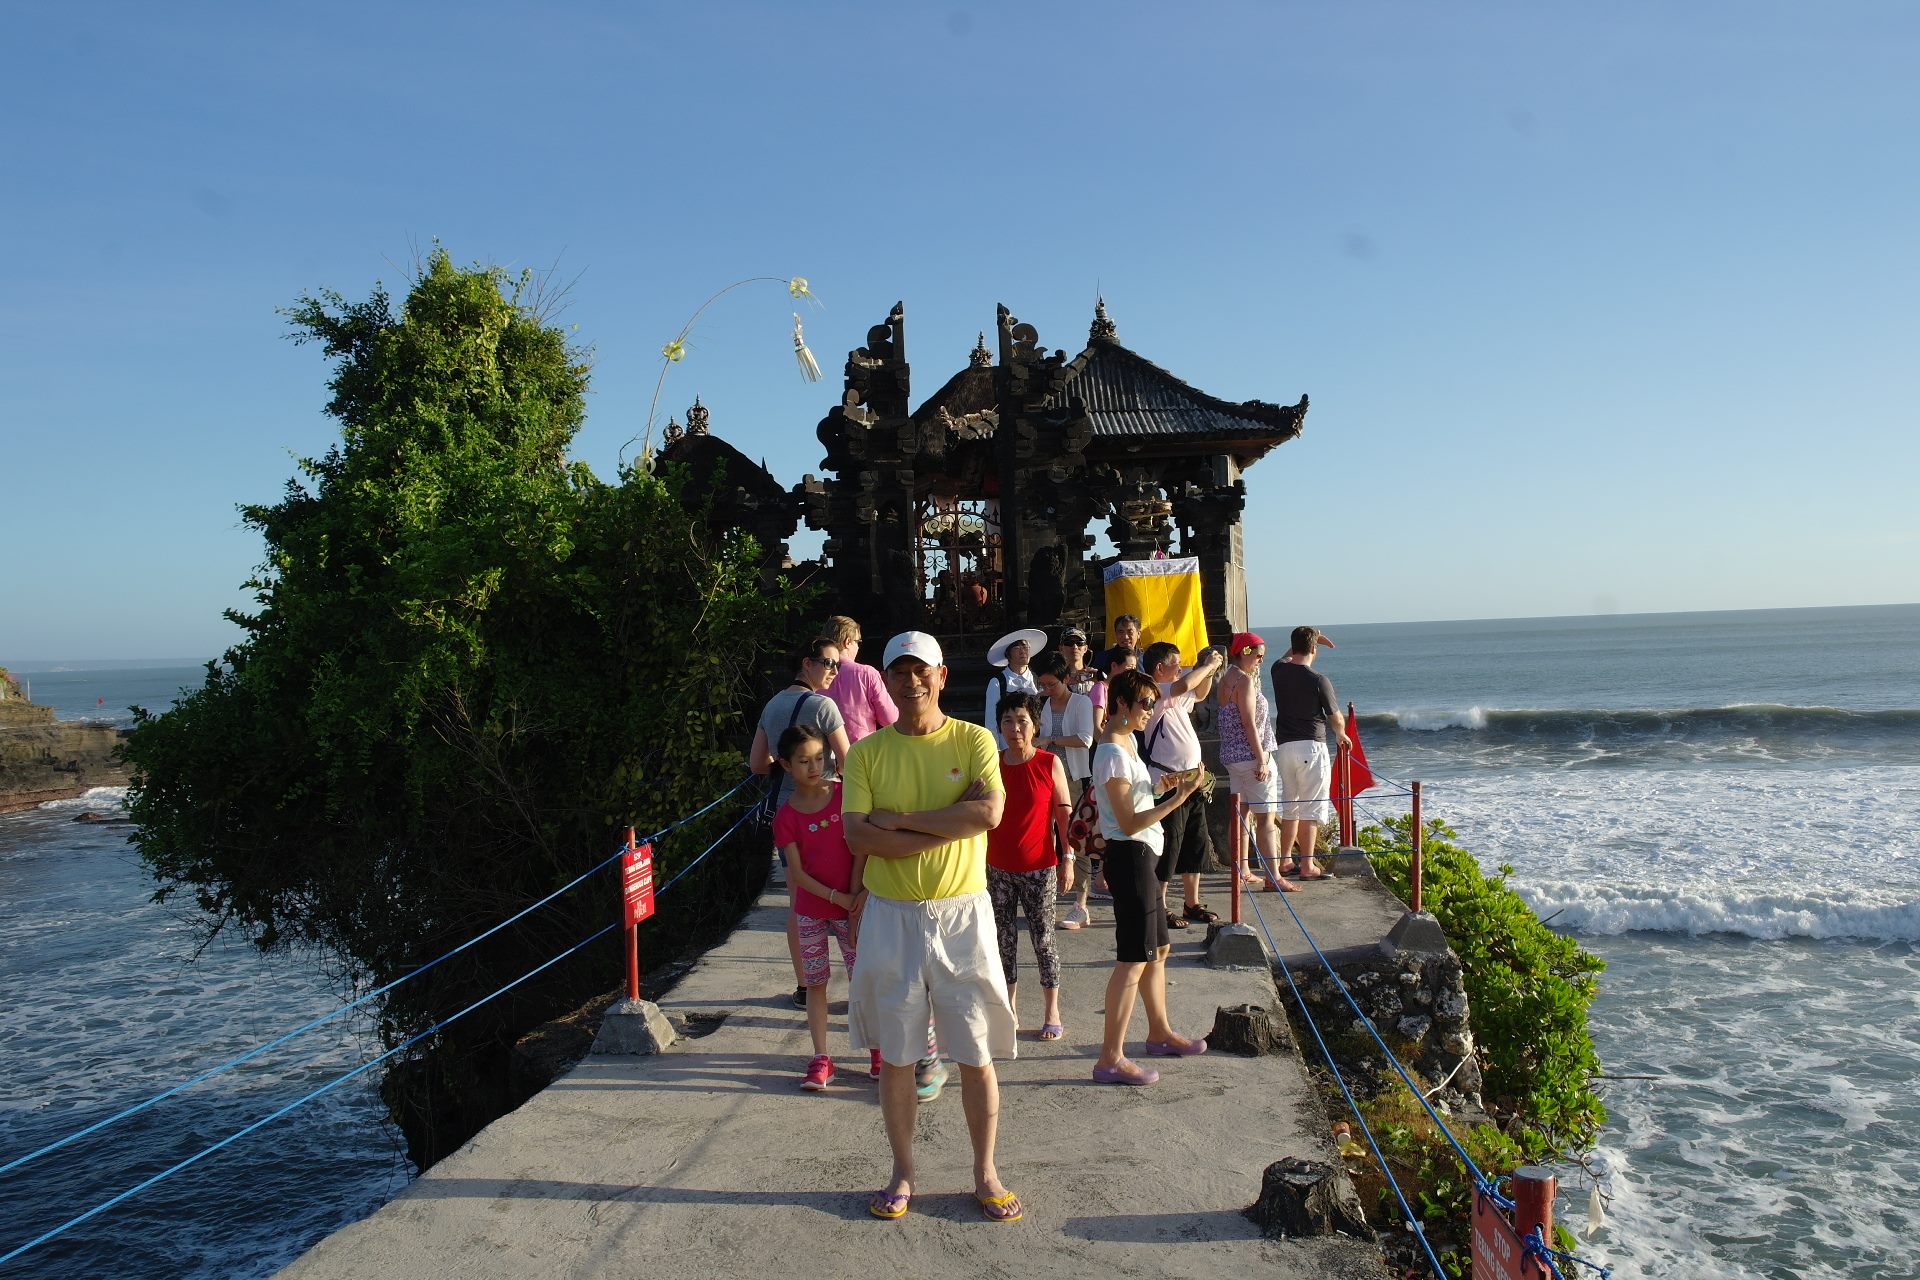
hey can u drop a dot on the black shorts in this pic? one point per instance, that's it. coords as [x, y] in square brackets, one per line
[1139, 921]
[1185, 834]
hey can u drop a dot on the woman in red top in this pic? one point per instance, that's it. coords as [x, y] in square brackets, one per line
[1022, 868]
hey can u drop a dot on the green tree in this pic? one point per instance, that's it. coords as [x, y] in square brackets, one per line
[471, 664]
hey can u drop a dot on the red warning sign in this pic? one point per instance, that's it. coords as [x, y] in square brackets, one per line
[1498, 1251]
[636, 882]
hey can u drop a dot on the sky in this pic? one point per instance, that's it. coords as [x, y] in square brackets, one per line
[1601, 308]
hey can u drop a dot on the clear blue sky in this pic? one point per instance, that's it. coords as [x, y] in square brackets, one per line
[1601, 307]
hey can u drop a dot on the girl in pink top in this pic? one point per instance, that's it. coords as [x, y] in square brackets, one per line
[826, 881]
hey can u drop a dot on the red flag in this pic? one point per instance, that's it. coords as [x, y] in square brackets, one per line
[1361, 776]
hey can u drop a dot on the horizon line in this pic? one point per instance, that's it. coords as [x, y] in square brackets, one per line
[79, 664]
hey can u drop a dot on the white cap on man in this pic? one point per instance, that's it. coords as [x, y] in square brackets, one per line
[912, 644]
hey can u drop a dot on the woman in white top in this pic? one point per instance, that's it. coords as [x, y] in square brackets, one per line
[1066, 721]
[1130, 821]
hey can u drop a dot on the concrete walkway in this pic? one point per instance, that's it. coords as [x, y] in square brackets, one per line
[709, 1161]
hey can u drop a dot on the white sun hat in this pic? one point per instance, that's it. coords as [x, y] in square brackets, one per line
[1036, 640]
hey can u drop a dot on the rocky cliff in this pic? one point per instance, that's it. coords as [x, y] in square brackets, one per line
[46, 759]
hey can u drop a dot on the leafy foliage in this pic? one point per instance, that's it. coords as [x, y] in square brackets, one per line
[1529, 987]
[1529, 990]
[471, 664]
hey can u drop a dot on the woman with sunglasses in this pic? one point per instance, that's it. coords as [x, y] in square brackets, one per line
[804, 701]
[1130, 821]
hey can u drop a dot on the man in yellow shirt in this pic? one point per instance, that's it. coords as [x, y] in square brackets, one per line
[918, 799]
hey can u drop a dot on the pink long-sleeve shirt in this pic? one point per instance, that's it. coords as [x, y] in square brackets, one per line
[862, 697]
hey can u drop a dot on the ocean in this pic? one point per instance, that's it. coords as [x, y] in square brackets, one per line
[109, 999]
[1724, 806]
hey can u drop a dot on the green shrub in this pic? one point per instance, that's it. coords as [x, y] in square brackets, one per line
[1529, 990]
[1528, 987]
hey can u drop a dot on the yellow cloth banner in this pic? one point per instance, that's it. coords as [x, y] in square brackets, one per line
[1166, 596]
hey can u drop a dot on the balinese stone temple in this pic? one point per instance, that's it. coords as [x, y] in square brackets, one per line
[974, 512]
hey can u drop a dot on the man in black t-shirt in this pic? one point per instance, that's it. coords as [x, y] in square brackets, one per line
[1303, 708]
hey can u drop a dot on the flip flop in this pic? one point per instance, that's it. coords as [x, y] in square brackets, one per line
[1005, 1207]
[883, 1205]
[1050, 1030]
[1281, 886]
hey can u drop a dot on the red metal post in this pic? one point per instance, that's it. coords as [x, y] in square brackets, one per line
[1533, 1188]
[1237, 835]
[1348, 828]
[633, 942]
[1415, 871]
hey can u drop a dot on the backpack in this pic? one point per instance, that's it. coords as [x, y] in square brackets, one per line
[769, 801]
[989, 715]
[1083, 825]
[1143, 744]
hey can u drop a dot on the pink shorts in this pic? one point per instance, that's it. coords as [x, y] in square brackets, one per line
[813, 947]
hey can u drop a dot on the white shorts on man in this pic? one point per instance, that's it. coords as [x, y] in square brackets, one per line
[1306, 779]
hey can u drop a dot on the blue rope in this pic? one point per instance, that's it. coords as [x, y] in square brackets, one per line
[738, 823]
[1537, 1247]
[1413, 1220]
[1479, 1178]
[251, 1054]
[332, 1084]
[369, 1065]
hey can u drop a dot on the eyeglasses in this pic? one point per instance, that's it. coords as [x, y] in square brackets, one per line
[831, 664]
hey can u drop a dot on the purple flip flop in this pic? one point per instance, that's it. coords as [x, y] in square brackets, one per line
[1167, 1049]
[1129, 1075]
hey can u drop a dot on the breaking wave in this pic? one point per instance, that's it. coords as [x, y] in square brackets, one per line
[1617, 909]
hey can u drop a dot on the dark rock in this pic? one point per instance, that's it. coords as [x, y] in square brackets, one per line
[1250, 1030]
[1307, 1198]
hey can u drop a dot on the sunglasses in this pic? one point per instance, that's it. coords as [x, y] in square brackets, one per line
[831, 664]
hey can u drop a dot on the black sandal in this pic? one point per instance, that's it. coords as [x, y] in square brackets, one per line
[1175, 922]
[1199, 914]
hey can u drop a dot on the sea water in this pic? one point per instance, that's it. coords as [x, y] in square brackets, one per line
[1725, 808]
[110, 998]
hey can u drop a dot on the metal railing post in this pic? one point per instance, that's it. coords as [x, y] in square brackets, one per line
[1417, 828]
[1237, 838]
[633, 942]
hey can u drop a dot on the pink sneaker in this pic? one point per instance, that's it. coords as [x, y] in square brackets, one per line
[819, 1074]
[873, 1064]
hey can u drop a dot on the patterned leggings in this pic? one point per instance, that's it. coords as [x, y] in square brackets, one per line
[1032, 892]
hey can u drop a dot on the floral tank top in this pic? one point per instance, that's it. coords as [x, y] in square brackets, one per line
[1234, 748]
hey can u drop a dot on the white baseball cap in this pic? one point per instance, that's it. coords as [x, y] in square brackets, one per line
[912, 644]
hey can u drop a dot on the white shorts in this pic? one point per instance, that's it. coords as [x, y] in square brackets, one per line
[1306, 778]
[1260, 797]
[938, 958]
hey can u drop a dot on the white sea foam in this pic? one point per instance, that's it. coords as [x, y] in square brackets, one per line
[1815, 913]
[94, 798]
[1777, 1113]
[1431, 720]
[1769, 853]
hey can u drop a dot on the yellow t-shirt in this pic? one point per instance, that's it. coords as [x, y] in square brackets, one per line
[906, 774]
